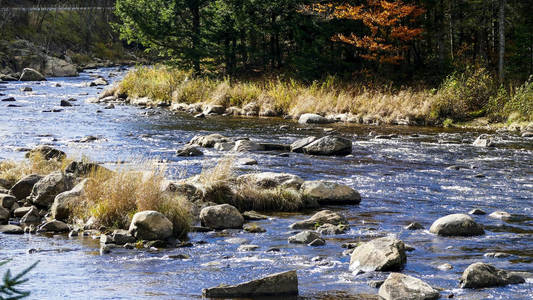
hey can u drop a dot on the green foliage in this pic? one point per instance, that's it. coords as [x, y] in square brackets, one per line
[522, 101]
[9, 290]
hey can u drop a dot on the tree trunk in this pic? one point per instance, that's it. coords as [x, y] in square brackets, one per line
[195, 11]
[501, 52]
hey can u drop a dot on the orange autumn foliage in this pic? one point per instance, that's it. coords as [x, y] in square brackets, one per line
[386, 21]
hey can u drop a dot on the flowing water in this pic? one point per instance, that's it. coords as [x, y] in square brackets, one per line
[401, 180]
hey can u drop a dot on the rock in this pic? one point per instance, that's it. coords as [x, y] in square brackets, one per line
[244, 248]
[496, 254]
[381, 254]
[476, 211]
[82, 169]
[44, 191]
[4, 215]
[298, 145]
[47, 152]
[53, 226]
[179, 256]
[527, 134]
[414, 226]
[246, 145]
[21, 211]
[253, 216]
[313, 119]
[105, 249]
[88, 139]
[9, 99]
[121, 237]
[98, 81]
[329, 145]
[445, 267]
[251, 109]
[32, 217]
[208, 141]
[11, 229]
[501, 215]
[328, 193]
[274, 147]
[150, 225]
[29, 74]
[481, 275]
[109, 106]
[224, 146]
[199, 116]
[304, 237]
[7, 201]
[317, 243]
[23, 187]
[155, 244]
[221, 217]
[254, 228]
[320, 218]
[189, 151]
[247, 161]
[483, 141]
[63, 202]
[65, 103]
[399, 287]
[376, 283]
[329, 229]
[456, 225]
[275, 285]
[272, 180]
[57, 67]
[214, 110]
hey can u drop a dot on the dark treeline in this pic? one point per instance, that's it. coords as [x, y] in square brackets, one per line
[238, 36]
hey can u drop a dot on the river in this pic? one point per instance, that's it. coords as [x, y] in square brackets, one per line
[401, 180]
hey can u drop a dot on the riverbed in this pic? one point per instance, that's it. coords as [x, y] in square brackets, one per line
[403, 179]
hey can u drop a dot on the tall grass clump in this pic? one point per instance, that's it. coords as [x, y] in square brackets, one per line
[13, 171]
[521, 101]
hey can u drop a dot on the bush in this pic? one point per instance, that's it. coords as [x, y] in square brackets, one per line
[12, 171]
[522, 101]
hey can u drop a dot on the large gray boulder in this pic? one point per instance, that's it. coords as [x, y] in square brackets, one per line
[150, 225]
[29, 74]
[299, 145]
[403, 287]
[208, 141]
[327, 193]
[381, 254]
[57, 67]
[63, 202]
[313, 119]
[272, 180]
[221, 217]
[53, 184]
[320, 218]
[480, 275]
[456, 225]
[275, 285]
[329, 145]
[23, 187]
[47, 152]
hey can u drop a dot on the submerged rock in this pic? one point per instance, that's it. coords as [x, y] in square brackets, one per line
[150, 225]
[456, 225]
[400, 287]
[189, 151]
[327, 193]
[381, 254]
[279, 284]
[480, 275]
[329, 145]
[320, 218]
[221, 216]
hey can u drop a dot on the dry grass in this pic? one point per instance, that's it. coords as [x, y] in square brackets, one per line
[13, 171]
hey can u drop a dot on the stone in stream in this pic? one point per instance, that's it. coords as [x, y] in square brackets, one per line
[481, 275]
[208, 141]
[477, 212]
[414, 226]
[445, 267]
[305, 237]
[29, 74]
[456, 225]
[214, 110]
[381, 254]
[63, 202]
[399, 287]
[246, 146]
[53, 226]
[24, 186]
[7, 201]
[298, 145]
[527, 134]
[4, 215]
[88, 139]
[246, 248]
[9, 99]
[65, 103]
[272, 180]
[502, 215]
[32, 217]
[253, 216]
[483, 141]
[150, 225]
[254, 228]
[11, 229]
[329, 145]
[121, 237]
[81, 168]
[274, 285]
[496, 254]
[247, 161]
[313, 119]
[44, 191]
[47, 152]
[98, 82]
[329, 229]
[320, 218]
[21, 211]
[189, 151]
[327, 193]
[221, 217]
[224, 146]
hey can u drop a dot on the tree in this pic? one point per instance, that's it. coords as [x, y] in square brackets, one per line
[501, 46]
[9, 286]
[388, 27]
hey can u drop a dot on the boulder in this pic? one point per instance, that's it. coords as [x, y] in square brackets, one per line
[481, 275]
[327, 193]
[477, 211]
[7, 201]
[272, 180]
[400, 287]
[483, 141]
[225, 146]
[414, 226]
[53, 226]
[121, 237]
[82, 169]
[53, 184]
[305, 237]
[253, 216]
[208, 141]
[221, 216]
[29, 74]
[381, 254]
[247, 161]
[501, 215]
[320, 218]
[150, 225]
[214, 110]
[4, 215]
[329, 229]
[98, 81]
[313, 119]
[456, 225]
[47, 152]
[275, 285]
[11, 229]
[32, 217]
[246, 145]
[298, 145]
[329, 145]
[65, 103]
[57, 67]
[63, 202]
[24, 186]
[189, 151]
[246, 248]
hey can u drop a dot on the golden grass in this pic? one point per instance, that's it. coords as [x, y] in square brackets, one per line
[13, 171]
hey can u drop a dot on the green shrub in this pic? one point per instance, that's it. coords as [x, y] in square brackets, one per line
[522, 101]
